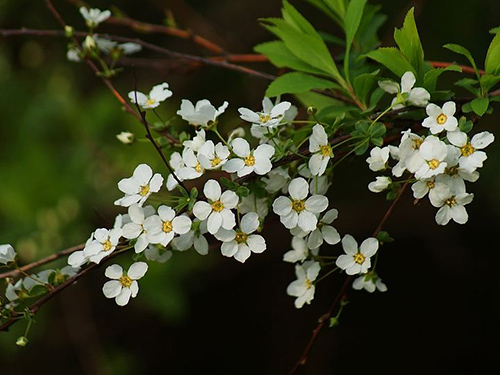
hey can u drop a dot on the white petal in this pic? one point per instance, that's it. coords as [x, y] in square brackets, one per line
[123, 298]
[112, 288]
[114, 271]
[137, 270]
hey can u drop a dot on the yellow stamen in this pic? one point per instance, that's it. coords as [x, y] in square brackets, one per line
[241, 237]
[431, 184]
[298, 205]
[467, 149]
[417, 143]
[217, 206]
[434, 163]
[216, 161]
[150, 102]
[450, 202]
[125, 281]
[359, 258]
[441, 119]
[198, 167]
[264, 117]
[144, 190]
[250, 161]
[326, 151]
[309, 284]
[167, 226]
[107, 245]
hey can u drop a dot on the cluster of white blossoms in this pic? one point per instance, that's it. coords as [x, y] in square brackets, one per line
[440, 162]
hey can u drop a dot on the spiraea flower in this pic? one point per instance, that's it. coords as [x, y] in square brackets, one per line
[241, 243]
[213, 156]
[406, 94]
[176, 162]
[320, 149]
[297, 210]
[441, 118]
[380, 184]
[104, 243]
[369, 282]
[135, 229]
[7, 254]
[94, 16]
[270, 116]
[191, 168]
[161, 228]
[324, 232]
[203, 114]
[377, 161]
[248, 161]
[303, 288]
[139, 187]
[194, 238]
[434, 152]
[451, 201]
[197, 141]
[300, 251]
[356, 259]
[218, 208]
[158, 94]
[472, 156]
[123, 285]
[126, 138]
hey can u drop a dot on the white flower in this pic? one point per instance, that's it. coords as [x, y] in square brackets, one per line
[356, 260]
[212, 157]
[324, 231]
[303, 288]
[195, 237]
[298, 210]
[161, 228]
[441, 118]
[320, 149]
[271, 115]
[299, 252]
[198, 141]
[433, 151]
[73, 55]
[126, 138]
[94, 16]
[218, 208]
[406, 94]
[319, 185]
[123, 285]
[276, 180]
[378, 158]
[370, 282]
[135, 229]
[157, 95]
[204, 113]
[157, 254]
[471, 158]
[409, 154]
[78, 258]
[7, 254]
[451, 202]
[104, 243]
[191, 168]
[380, 184]
[258, 161]
[177, 163]
[241, 243]
[139, 187]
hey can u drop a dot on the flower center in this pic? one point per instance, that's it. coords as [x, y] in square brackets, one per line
[264, 117]
[125, 281]
[150, 102]
[198, 167]
[326, 151]
[167, 226]
[441, 119]
[298, 205]
[417, 143]
[144, 190]
[450, 202]
[451, 171]
[434, 163]
[308, 283]
[241, 237]
[216, 161]
[217, 206]
[467, 150]
[431, 184]
[250, 161]
[359, 258]
[107, 245]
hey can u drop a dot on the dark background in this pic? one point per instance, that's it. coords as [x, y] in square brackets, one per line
[60, 163]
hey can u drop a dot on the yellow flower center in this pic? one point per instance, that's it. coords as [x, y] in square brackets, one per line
[150, 102]
[326, 151]
[198, 167]
[217, 206]
[450, 202]
[144, 190]
[441, 119]
[167, 226]
[431, 184]
[417, 143]
[264, 117]
[467, 150]
[107, 245]
[359, 258]
[451, 171]
[241, 237]
[434, 163]
[216, 161]
[250, 161]
[298, 205]
[126, 281]
[309, 283]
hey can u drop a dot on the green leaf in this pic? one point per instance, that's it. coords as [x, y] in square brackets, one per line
[352, 20]
[378, 130]
[364, 83]
[367, 36]
[469, 84]
[392, 59]
[408, 40]
[492, 62]
[465, 52]
[480, 105]
[281, 57]
[321, 5]
[337, 6]
[494, 30]
[384, 237]
[329, 114]
[293, 17]
[465, 125]
[430, 78]
[487, 81]
[296, 83]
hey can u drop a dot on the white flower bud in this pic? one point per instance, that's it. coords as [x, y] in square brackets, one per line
[126, 138]
[380, 184]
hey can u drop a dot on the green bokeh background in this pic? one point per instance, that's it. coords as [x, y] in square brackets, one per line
[60, 162]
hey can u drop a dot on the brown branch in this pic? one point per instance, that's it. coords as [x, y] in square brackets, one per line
[42, 261]
[343, 290]
[465, 69]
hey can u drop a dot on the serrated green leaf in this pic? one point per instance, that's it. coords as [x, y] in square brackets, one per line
[492, 61]
[363, 84]
[430, 78]
[480, 105]
[392, 59]
[465, 52]
[408, 40]
[352, 21]
[296, 82]
[294, 18]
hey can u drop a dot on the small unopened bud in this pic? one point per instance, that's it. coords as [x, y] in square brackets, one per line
[334, 322]
[238, 132]
[69, 31]
[126, 138]
[89, 42]
[22, 341]
[312, 110]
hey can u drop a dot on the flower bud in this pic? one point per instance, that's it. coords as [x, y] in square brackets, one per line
[126, 138]
[380, 184]
[7, 254]
[312, 111]
[89, 42]
[22, 341]
[69, 31]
